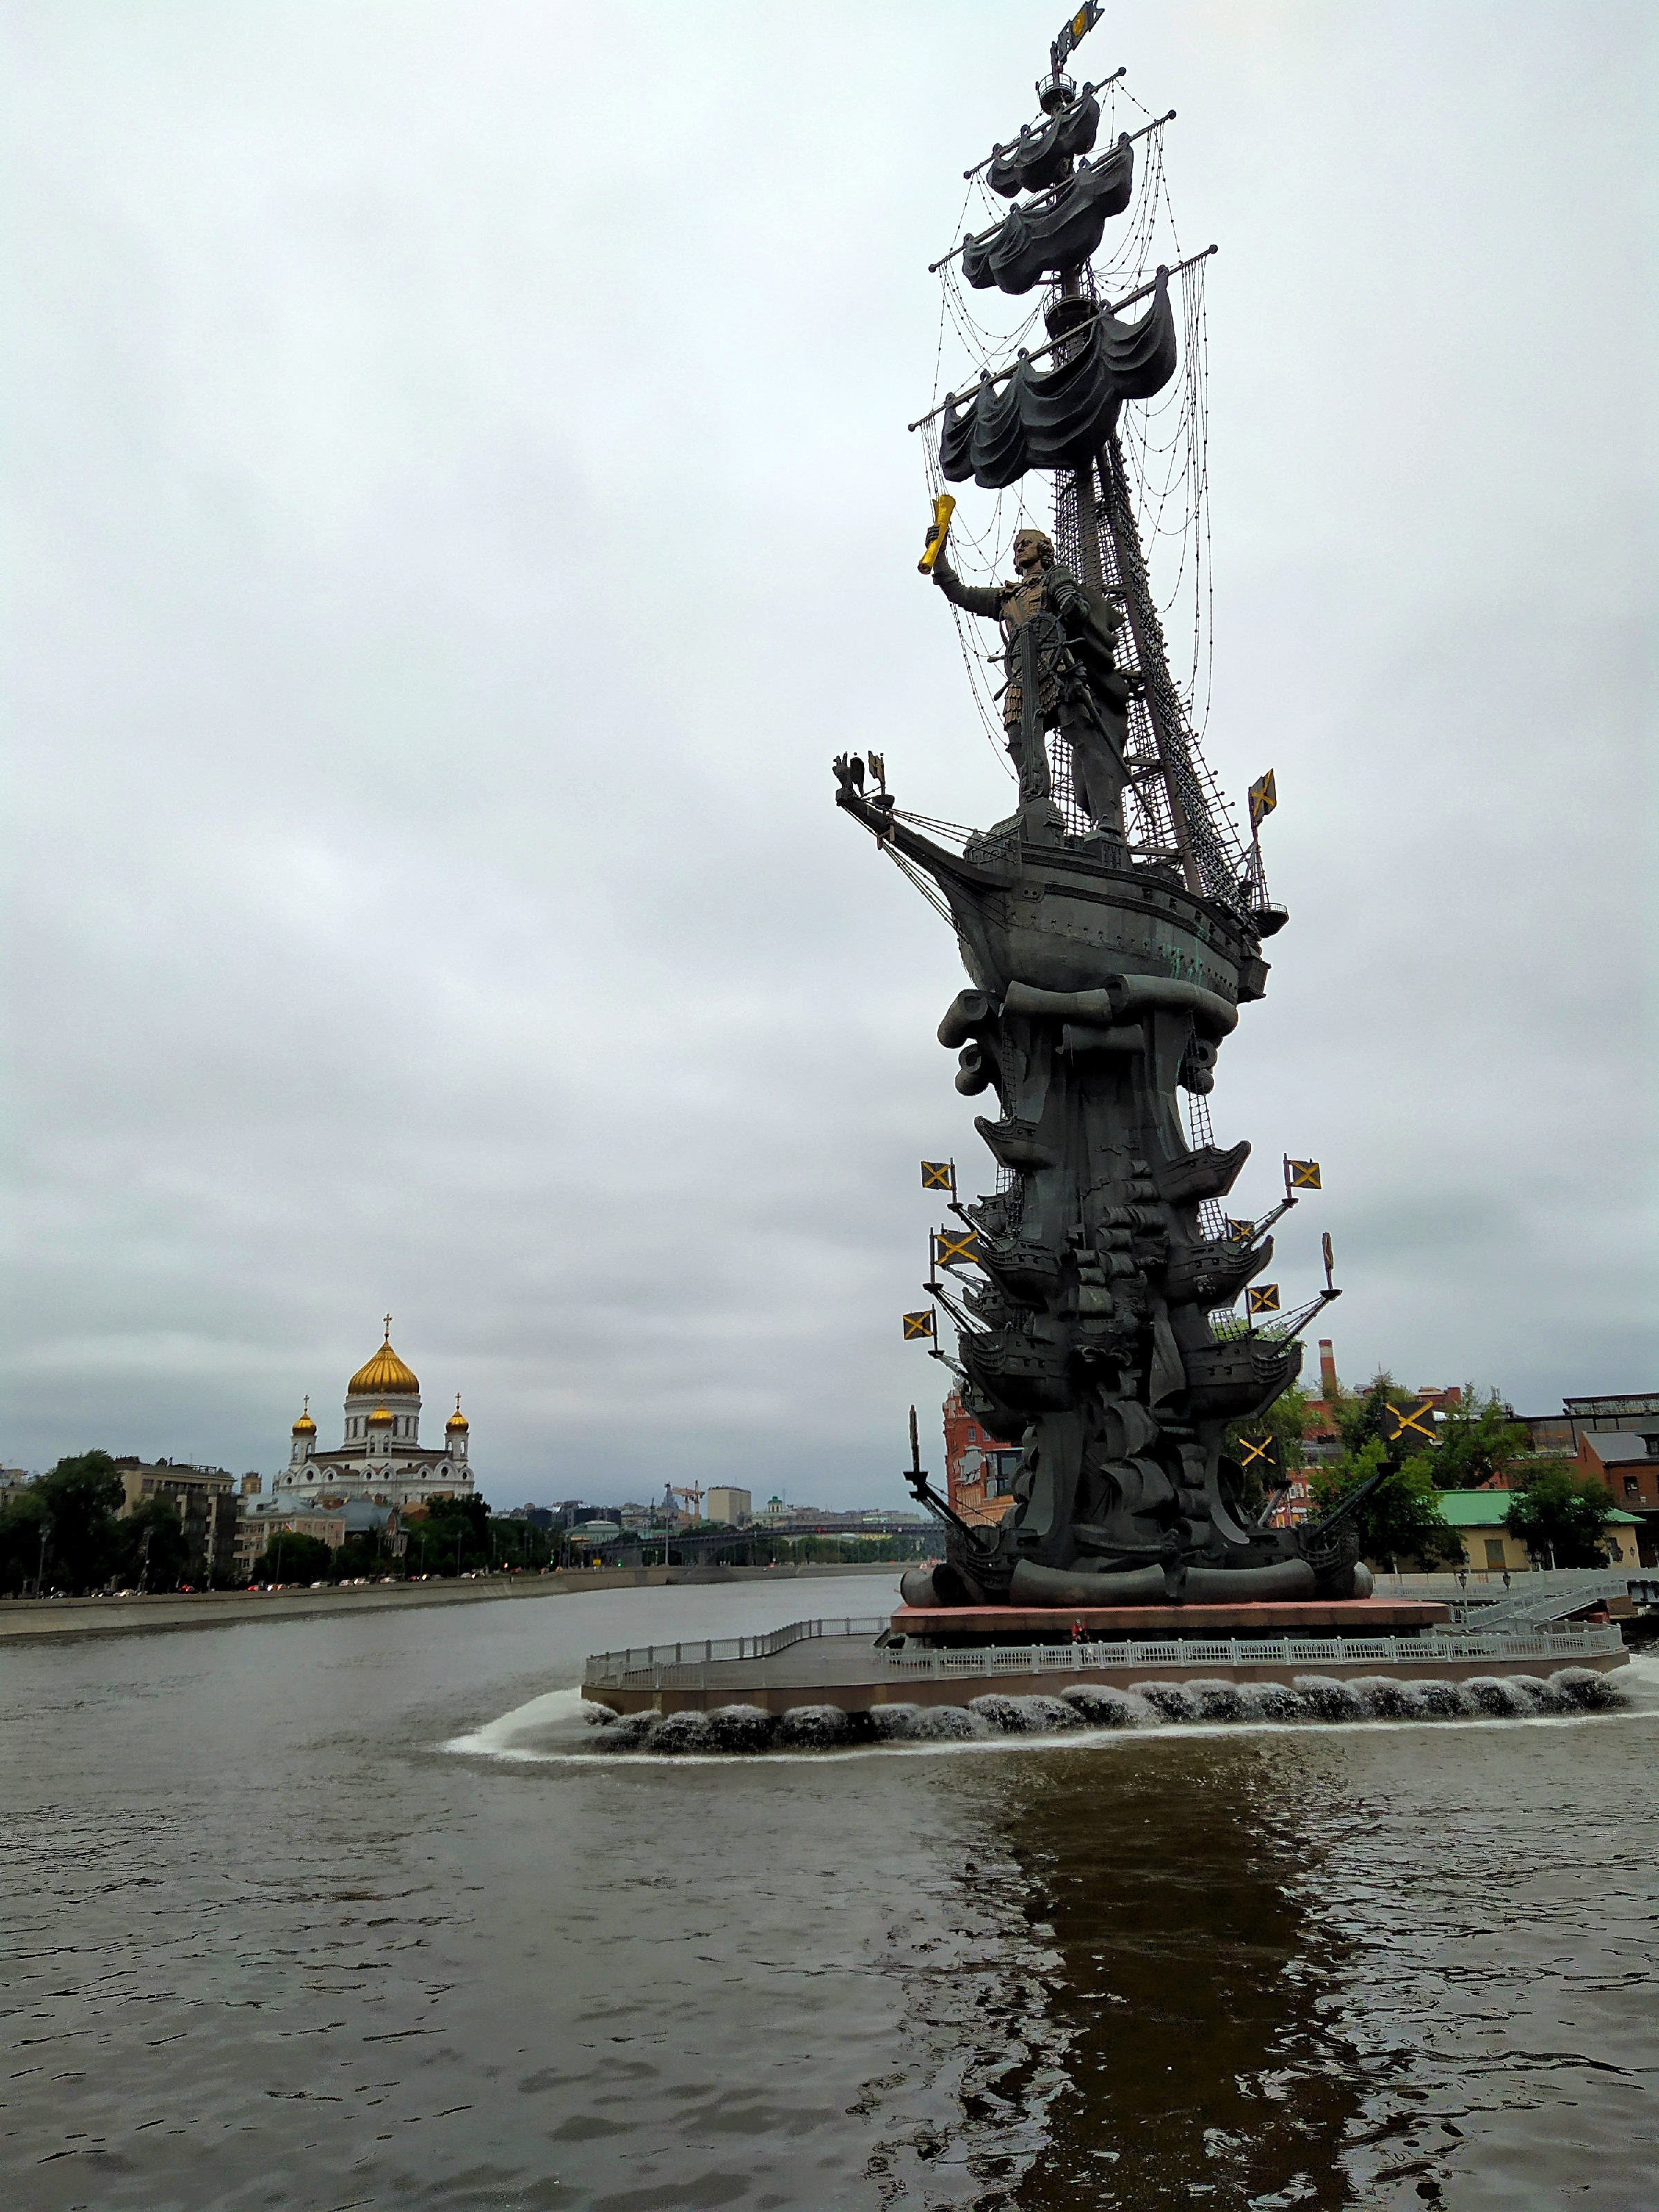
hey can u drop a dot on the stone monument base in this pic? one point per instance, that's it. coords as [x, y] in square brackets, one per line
[859, 1666]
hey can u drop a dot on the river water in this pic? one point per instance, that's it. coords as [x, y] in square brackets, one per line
[271, 1944]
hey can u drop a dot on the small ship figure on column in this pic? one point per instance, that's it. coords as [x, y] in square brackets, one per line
[1111, 929]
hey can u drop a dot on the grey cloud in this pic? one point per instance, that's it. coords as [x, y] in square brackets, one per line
[457, 513]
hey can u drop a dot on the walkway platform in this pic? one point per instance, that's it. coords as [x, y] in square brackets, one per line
[853, 1663]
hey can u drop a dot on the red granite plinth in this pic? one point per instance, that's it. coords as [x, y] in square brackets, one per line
[1008, 1624]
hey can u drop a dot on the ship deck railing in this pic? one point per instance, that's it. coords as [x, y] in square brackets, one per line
[686, 1665]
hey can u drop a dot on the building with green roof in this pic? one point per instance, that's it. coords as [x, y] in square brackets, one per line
[1477, 1517]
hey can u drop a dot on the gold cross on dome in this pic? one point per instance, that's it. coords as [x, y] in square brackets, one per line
[388, 1328]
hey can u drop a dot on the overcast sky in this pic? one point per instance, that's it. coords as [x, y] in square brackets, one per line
[460, 501]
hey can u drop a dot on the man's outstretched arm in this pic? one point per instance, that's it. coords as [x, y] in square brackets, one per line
[974, 598]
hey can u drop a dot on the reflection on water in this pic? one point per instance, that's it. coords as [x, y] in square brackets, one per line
[1376, 1967]
[268, 1946]
[1193, 1973]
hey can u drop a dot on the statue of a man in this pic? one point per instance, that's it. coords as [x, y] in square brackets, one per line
[1061, 640]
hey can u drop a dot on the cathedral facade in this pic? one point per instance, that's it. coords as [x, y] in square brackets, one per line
[381, 1458]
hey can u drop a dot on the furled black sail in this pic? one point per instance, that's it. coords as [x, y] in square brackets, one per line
[1060, 419]
[1038, 156]
[1034, 242]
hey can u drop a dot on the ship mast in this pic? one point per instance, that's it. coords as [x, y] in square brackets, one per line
[1066, 420]
[1096, 533]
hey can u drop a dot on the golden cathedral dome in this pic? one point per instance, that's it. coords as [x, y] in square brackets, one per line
[458, 1419]
[304, 1426]
[379, 1418]
[385, 1376]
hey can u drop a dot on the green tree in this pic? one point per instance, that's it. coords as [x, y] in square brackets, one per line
[365, 1553]
[23, 1519]
[1366, 1417]
[288, 1558]
[79, 1500]
[154, 1550]
[1478, 1439]
[1561, 1515]
[452, 1537]
[518, 1543]
[1402, 1519]
[1286, 1420]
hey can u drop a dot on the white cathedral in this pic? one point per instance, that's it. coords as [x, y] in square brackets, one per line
[381, 1458]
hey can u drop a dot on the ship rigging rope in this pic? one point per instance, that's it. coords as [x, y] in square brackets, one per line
[924, 885]
[953, 313]
[1164, 451]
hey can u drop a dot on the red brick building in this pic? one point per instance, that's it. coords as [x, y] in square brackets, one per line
[1321, 1439]
[1320, 1443]
[1627, 1464]
[979, 1467]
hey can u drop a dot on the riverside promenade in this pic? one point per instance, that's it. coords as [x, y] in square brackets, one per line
[31, 1619]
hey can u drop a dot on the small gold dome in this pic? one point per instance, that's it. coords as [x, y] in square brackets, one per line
[385, 1376]
[304, 1426]
[458, 1419]
[379, 1419]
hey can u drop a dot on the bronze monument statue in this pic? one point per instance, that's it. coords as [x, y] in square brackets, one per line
[1112, 929]
[1067, 632]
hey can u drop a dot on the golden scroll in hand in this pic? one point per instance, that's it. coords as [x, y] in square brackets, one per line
[944, 507]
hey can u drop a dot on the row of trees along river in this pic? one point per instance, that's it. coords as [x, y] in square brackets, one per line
[65, 1532]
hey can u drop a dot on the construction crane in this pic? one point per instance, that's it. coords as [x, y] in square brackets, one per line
[693, 1496]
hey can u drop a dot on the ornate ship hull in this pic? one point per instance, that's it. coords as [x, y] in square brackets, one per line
[1098, 990]
[1065, 918]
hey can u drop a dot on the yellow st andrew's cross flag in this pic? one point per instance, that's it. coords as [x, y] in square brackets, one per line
[1260, 1453]
[1413, 1423]
[1263, 1297]
[1264, 797]
[1302, 1174]
[955, 1247]
[918, 1327]
[940, 1174]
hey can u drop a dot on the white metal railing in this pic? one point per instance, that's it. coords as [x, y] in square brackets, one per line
[685, 1666]
[1489, 1583]
[1435, 1647]
[642, 1664]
